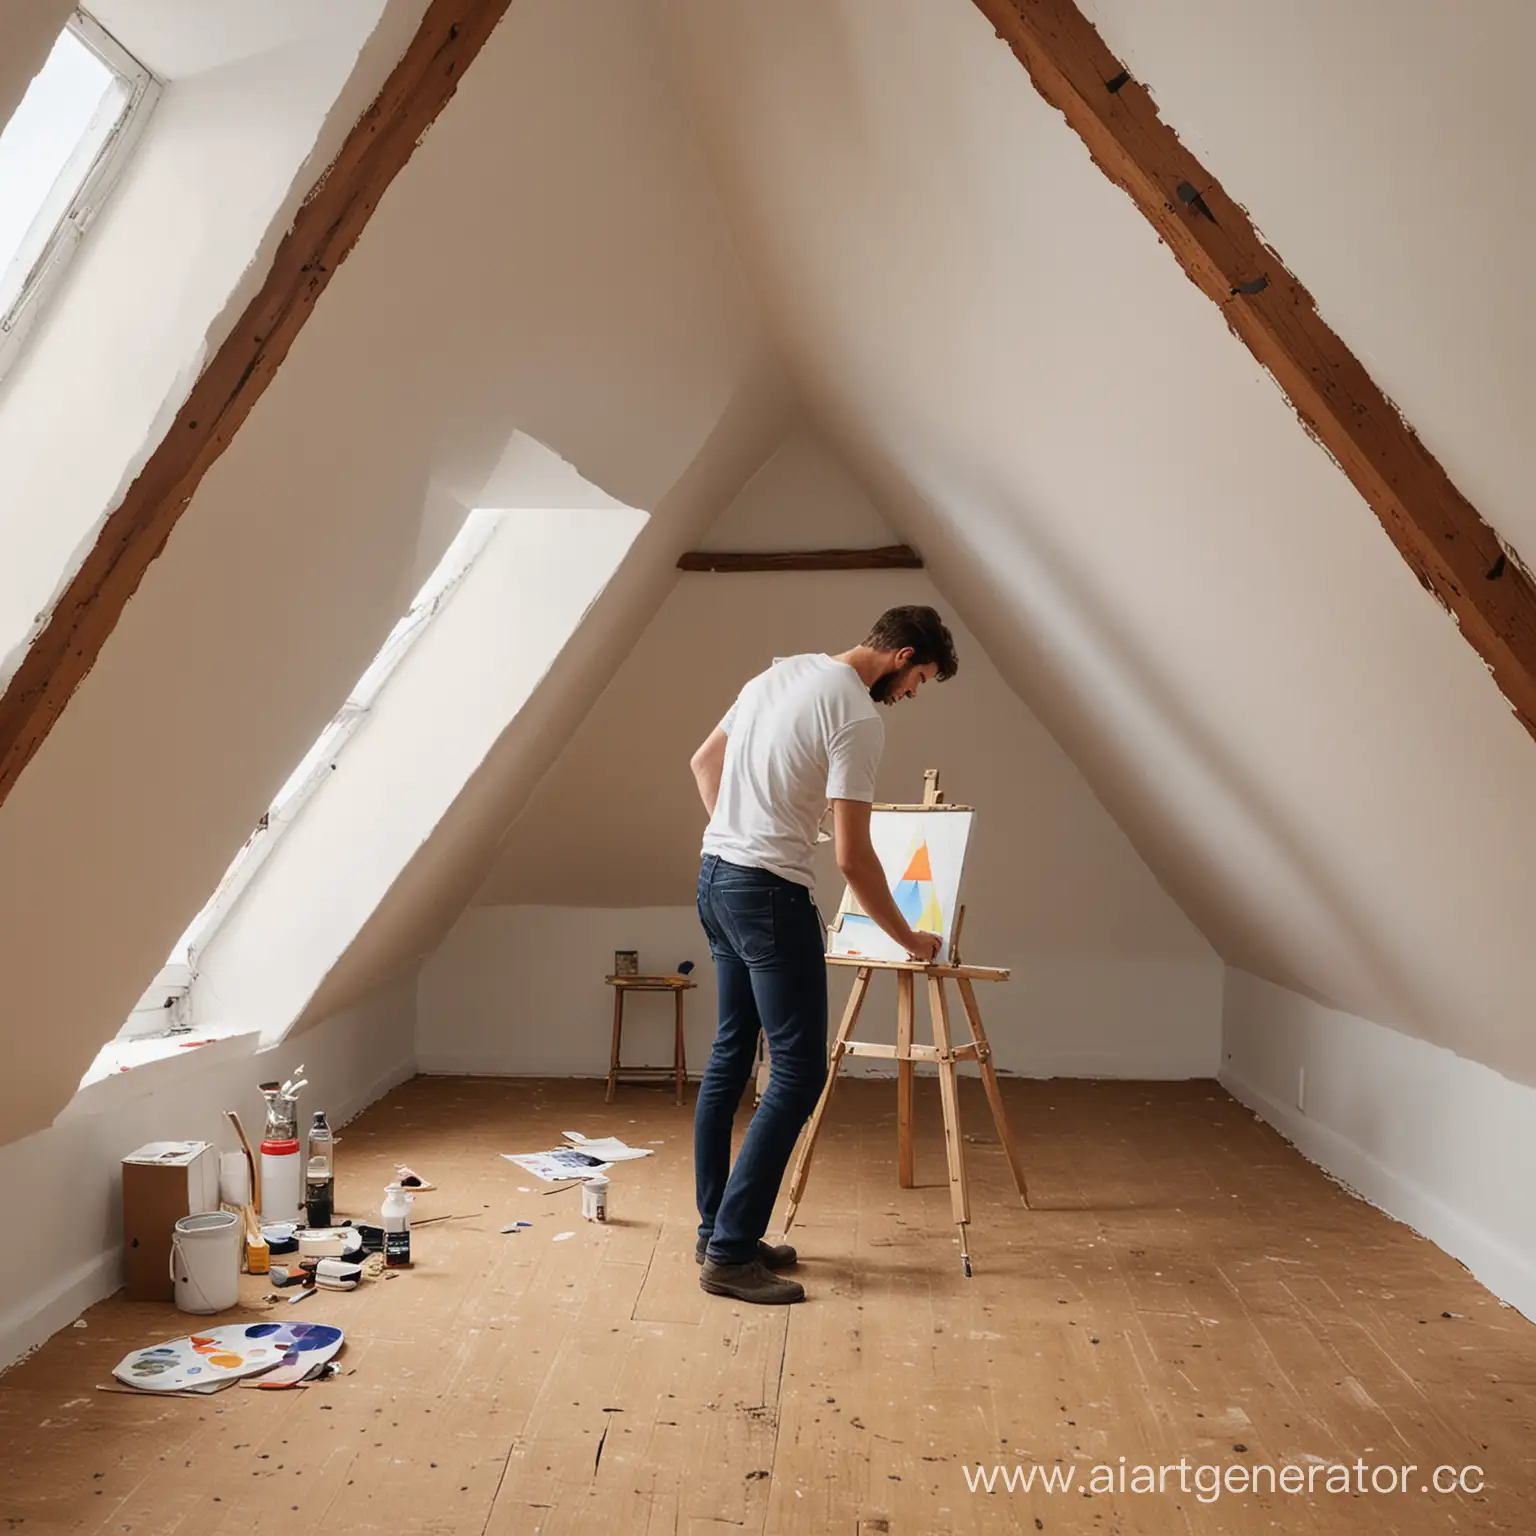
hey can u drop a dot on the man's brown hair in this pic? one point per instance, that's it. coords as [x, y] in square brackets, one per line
[924, 631]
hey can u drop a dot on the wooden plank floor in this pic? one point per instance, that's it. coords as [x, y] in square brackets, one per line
[1187, 1287]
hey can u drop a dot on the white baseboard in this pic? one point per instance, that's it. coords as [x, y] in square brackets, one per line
[437, 1064]
[1087, 1065]
[1509, 1274]
[26, 1327]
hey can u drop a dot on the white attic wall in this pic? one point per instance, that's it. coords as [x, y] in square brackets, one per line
[296, 554]
[1383, 148]
[1191, 596]
[1110, 978]
[1442, 1143]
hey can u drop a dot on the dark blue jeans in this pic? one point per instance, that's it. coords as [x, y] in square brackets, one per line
[768, 947]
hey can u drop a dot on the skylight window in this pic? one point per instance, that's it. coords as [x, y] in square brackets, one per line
[59, 154]
[163, 1008]
[317, 764]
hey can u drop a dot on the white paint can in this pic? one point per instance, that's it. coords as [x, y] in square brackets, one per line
[594, 1198]
[205, 1262]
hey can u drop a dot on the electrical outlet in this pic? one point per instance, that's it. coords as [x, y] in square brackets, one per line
[1301, 1089]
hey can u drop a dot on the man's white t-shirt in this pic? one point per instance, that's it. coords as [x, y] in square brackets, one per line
[804, 732]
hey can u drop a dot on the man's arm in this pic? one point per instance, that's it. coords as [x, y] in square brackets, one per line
[857, 860]
[707, 764]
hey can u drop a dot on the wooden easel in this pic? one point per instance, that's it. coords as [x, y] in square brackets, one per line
[906, 1052]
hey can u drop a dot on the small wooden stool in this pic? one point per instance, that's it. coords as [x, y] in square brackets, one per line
[678, 1071]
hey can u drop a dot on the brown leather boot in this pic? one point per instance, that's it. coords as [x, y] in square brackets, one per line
[749, 1282]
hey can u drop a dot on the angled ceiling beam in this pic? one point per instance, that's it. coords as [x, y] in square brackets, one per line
[324, 231]
[886, 557]
[1448, 546]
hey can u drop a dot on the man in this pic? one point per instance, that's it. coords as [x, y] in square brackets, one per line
[802, 734]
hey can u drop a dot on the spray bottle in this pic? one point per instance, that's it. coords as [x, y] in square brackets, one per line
[282, 1183]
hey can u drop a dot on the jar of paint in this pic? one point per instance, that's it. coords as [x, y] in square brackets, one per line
[395, 1217]
[594, 1198]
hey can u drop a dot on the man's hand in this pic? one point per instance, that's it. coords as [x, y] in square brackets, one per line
[925, 947]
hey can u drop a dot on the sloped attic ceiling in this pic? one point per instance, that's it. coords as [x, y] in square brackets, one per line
[1173, 578]
[1182, 586]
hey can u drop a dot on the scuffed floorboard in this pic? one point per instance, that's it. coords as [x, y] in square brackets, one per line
[1187, 1286]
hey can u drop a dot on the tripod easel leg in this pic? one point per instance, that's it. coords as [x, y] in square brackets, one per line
[813, 1129]
[905, 1008]
[949, 1095]
[990, 1083]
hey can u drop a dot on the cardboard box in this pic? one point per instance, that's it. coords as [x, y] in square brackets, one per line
[162, 1182]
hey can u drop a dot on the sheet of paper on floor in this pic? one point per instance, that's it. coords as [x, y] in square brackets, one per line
[558, 1165]
[609, 1148]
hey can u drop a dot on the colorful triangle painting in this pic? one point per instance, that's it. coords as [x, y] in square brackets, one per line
[916, 897]
[915, 894]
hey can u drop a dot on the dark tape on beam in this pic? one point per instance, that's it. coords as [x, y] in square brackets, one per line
[1119, 83]
[1191, 198]
[1254, 285]
[1497, 568]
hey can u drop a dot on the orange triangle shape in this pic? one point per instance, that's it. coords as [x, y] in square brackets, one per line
[919, 868]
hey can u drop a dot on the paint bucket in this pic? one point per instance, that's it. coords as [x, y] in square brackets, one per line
[205, 1262]
[594, 1198]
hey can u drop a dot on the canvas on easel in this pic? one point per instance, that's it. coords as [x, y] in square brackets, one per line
[922, 850]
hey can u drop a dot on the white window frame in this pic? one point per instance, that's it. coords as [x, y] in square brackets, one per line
[321, 760]
[92, 185]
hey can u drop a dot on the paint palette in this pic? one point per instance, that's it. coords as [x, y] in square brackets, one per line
[208, 1360]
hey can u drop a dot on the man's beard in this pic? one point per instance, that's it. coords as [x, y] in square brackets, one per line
[883, 687]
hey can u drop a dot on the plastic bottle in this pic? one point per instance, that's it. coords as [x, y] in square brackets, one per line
[395, 1215]
[320, 1177]
[282, 1185]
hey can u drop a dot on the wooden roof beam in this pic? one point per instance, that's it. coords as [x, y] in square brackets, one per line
[324, 231]
[1454, 553]
[887, 557]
